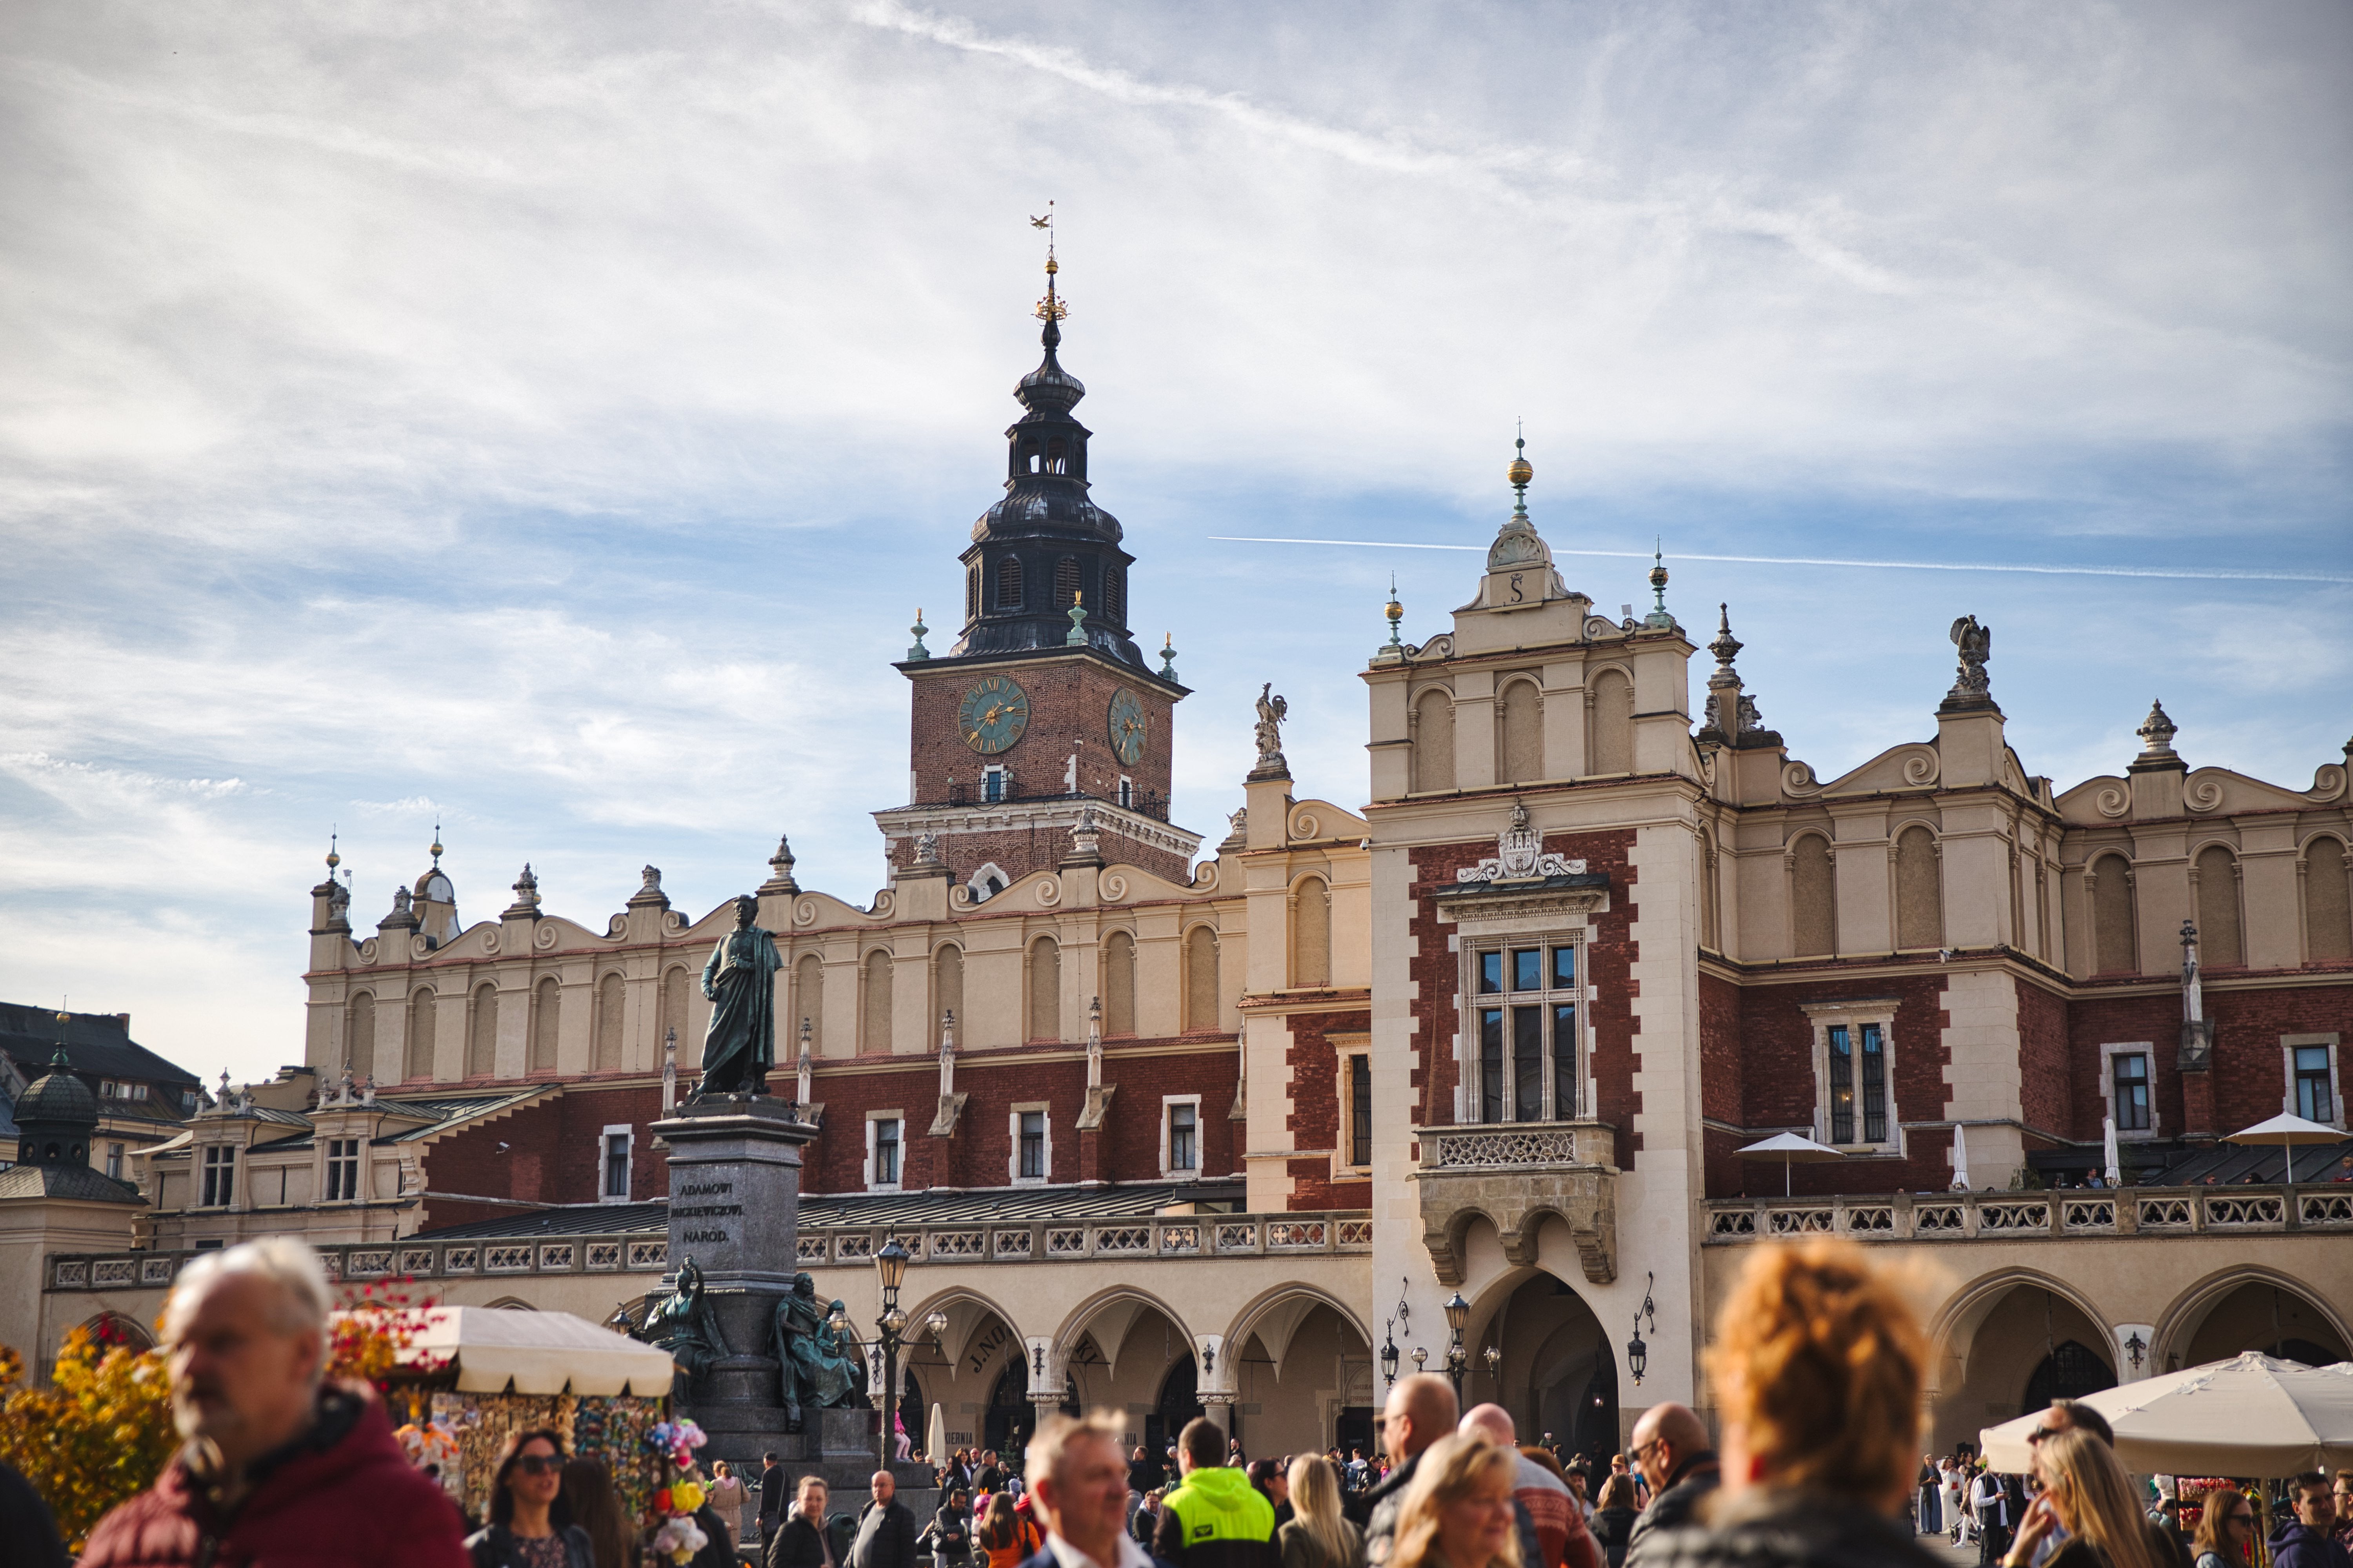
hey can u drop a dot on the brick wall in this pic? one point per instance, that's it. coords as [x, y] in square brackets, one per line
[1722, 1067]
[1315, 1111]
[1017, 851]
[553, 1154]
[1777, 1051]
[2051, 1091]
[1610, 955]
[978, 1156]
[1070, 709]
[2248, 1077]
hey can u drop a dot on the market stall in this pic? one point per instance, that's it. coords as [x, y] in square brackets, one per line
[467, 1377]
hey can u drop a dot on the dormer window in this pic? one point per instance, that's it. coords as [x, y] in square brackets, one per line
[220, 1189]
[342, 1170]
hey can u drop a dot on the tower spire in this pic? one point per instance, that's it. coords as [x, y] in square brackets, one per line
[1049, 309]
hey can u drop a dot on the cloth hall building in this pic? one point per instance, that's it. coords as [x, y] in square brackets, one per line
[1172, 1125]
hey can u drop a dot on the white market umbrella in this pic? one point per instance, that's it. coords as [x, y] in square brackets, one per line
[2250, 1416]
[1792, 1147]
[1960, 1157]
[936, 1437]
[2287, 1132]
[2109, 1124]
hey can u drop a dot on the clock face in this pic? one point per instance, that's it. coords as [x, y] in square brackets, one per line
[1127, 730]
[993, 716]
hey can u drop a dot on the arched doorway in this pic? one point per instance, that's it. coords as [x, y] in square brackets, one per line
[1558, 1373]
[2267, 1316]
[1301, 1373]
[1177, 1403]
[1010, 1419]
[2069, 1371]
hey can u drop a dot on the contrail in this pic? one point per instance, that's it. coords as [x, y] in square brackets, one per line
[2206, 575]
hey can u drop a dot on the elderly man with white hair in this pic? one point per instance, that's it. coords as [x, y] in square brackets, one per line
[278, 1462]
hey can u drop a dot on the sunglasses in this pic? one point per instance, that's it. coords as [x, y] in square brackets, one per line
[538, 1464]
[2041, 1434]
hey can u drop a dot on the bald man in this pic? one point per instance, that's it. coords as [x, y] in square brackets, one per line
[1551, 1529]
[1673, 1449]
[1420, 1411]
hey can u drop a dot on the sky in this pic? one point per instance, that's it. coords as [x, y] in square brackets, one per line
[546, 420]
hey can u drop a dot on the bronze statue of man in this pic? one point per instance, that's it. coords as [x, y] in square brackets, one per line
[741, 981]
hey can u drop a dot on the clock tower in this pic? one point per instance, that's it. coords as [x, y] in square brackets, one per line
[1044, 716]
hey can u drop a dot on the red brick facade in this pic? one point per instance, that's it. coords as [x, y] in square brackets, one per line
[980, 1152]
[551, 1154]
[1609, 954]
[1315, 1119]
[2248, 1079]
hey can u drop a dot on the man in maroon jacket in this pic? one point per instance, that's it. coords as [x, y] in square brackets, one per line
[278, 1464]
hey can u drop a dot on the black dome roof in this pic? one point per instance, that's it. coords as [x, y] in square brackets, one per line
[57, 1097]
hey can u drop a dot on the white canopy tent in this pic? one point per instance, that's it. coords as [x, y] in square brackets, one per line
[1791, 1147]
[2250, 1416]
[538, 1352]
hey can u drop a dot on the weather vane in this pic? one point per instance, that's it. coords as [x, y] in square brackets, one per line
[1049, 309]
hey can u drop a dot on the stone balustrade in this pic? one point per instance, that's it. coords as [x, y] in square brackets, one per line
[1003, 1241]
[2041, 1216]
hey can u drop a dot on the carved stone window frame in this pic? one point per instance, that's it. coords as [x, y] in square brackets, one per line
[1013, 1153]
[1854, 1013]
[2109, 1052]
[1345, 1050]
[1169, 1104]
[874, 1120]
[2288, 1044]
[613, 1130]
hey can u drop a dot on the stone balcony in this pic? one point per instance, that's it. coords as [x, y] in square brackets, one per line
[1515, 1174]
[2034, 1217]
[1024, 1241]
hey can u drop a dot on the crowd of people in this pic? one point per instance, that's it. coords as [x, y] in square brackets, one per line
[1817, 1368]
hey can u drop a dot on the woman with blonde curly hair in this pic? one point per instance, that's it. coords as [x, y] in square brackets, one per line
[1458, 1512]
[1817, 1367]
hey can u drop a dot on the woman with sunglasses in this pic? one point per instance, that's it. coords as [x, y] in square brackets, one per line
[2224, 1531]
[530, 1525]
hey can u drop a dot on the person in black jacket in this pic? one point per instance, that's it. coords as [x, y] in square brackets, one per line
[772, 1496]
[797, 1540]
[28, 1536]
[950, 1534]
[886, 1531]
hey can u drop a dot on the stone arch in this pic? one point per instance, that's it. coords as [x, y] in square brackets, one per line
[808, 1002]
[113, 1328]
[947, 985]
[1203, 1007]
[1311, 930]
[1612, 750]
[2115, 944]
[2327, 898]
[482, 1031]
[1813, 896]
[1433, 738]
[2185, 1314]
[2214, 887]
[674, 984]
[1110, 1313]
[1954, 1339]
[968, 1311]
[359, 1034]
[1711, 935]
[1558, 1371]
[512, 1304]
[1919, 893]
[874, 1003]
[546, 1019]
[1267, 1304]
[423, 1003]
[1045, 977]
[1964, 1311]
[1519, 731]
[1119, 982]
[612, 1004]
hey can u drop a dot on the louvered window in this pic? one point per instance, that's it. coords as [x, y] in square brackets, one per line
[971, 592]
[1066, 581]
[1114, 596]
[1009, 584]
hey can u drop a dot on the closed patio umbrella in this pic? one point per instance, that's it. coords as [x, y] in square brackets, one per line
[1791, 1147]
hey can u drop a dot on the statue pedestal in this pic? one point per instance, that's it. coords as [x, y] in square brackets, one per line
[734, 1209]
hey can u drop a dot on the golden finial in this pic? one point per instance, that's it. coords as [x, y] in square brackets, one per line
[437, 845]
[334, 859]
[1049, 309]
[1520, 472]
[1396, 611]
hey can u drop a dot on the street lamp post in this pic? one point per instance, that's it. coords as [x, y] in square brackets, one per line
[1458, 1314]
[891, 1269]
[1493, 1356]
